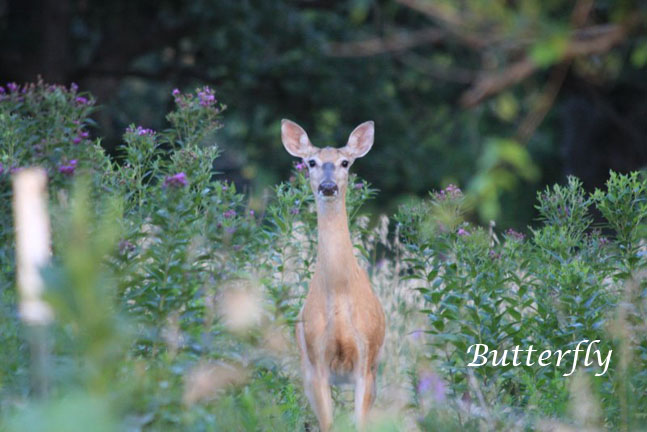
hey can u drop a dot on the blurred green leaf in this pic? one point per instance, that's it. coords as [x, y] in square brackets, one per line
[546, 52]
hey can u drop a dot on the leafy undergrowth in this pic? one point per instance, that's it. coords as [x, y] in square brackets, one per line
[175, 299]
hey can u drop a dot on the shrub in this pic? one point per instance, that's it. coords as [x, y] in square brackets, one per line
[563, 284]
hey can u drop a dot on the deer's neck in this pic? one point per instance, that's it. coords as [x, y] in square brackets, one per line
[336, 263]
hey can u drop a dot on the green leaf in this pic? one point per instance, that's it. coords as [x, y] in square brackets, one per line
[547, 52]
[639, 55]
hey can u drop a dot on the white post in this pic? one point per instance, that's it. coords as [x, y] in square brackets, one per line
[31, 224]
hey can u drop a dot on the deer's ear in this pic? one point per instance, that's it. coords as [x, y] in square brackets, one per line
[295, 139]
[360, 140]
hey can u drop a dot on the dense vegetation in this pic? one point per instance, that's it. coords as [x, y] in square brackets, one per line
[175, 295]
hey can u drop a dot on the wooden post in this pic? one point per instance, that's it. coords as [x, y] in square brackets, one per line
[31, 223]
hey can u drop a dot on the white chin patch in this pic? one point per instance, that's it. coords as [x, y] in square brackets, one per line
[327, 197]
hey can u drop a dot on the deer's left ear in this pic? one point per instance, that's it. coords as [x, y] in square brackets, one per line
[360, 140]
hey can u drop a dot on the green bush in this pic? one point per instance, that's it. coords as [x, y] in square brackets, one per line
[565, 283]
[175, 295]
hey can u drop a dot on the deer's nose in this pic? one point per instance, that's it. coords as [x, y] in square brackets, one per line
[328, 188]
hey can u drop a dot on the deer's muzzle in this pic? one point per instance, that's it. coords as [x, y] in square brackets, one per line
[328, 188]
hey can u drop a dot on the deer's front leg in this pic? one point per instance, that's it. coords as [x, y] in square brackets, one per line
[317, 388]
[316, 383]
[364, 395]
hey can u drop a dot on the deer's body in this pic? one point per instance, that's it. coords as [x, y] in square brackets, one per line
[341, 327]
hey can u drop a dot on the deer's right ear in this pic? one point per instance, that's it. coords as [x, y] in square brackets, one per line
[295, 139]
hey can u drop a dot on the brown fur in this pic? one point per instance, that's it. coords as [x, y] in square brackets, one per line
[341, 326]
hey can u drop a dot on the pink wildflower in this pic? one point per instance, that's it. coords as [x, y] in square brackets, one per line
[430, 383]
[176, 180]
[206, 96]
[515, 234]
[69, 168]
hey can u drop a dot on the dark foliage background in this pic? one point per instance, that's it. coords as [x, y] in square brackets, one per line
[461, 92]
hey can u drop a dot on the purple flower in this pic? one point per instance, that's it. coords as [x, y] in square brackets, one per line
[80, 100]
[252, 213]
[358, 185]
[206, 96]
[180, 100]
[68, 169]
[417, 334]
[462, 232]
[176, 180]
[140, 131]
[76, 140]
[229, 214]
[294, 211]
[2, 91]
[224, 187]
[515, 234]
[84, 134]
[450, 192]
[13, 87]
[74, 87]
[300, 166]
[434, 385]
[230, 230]
[452, 189]
[1, 169]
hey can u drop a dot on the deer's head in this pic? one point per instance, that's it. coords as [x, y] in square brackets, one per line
[328, 166]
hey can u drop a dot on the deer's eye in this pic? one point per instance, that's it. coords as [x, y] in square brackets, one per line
[344, 163]
[312, 163]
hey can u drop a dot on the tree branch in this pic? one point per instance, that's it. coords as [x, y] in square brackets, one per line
[451, 21]
[588, 41]
[398, 42]
[533, 119]
[445, 73]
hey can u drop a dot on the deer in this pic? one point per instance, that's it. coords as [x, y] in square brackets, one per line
[340, 328]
